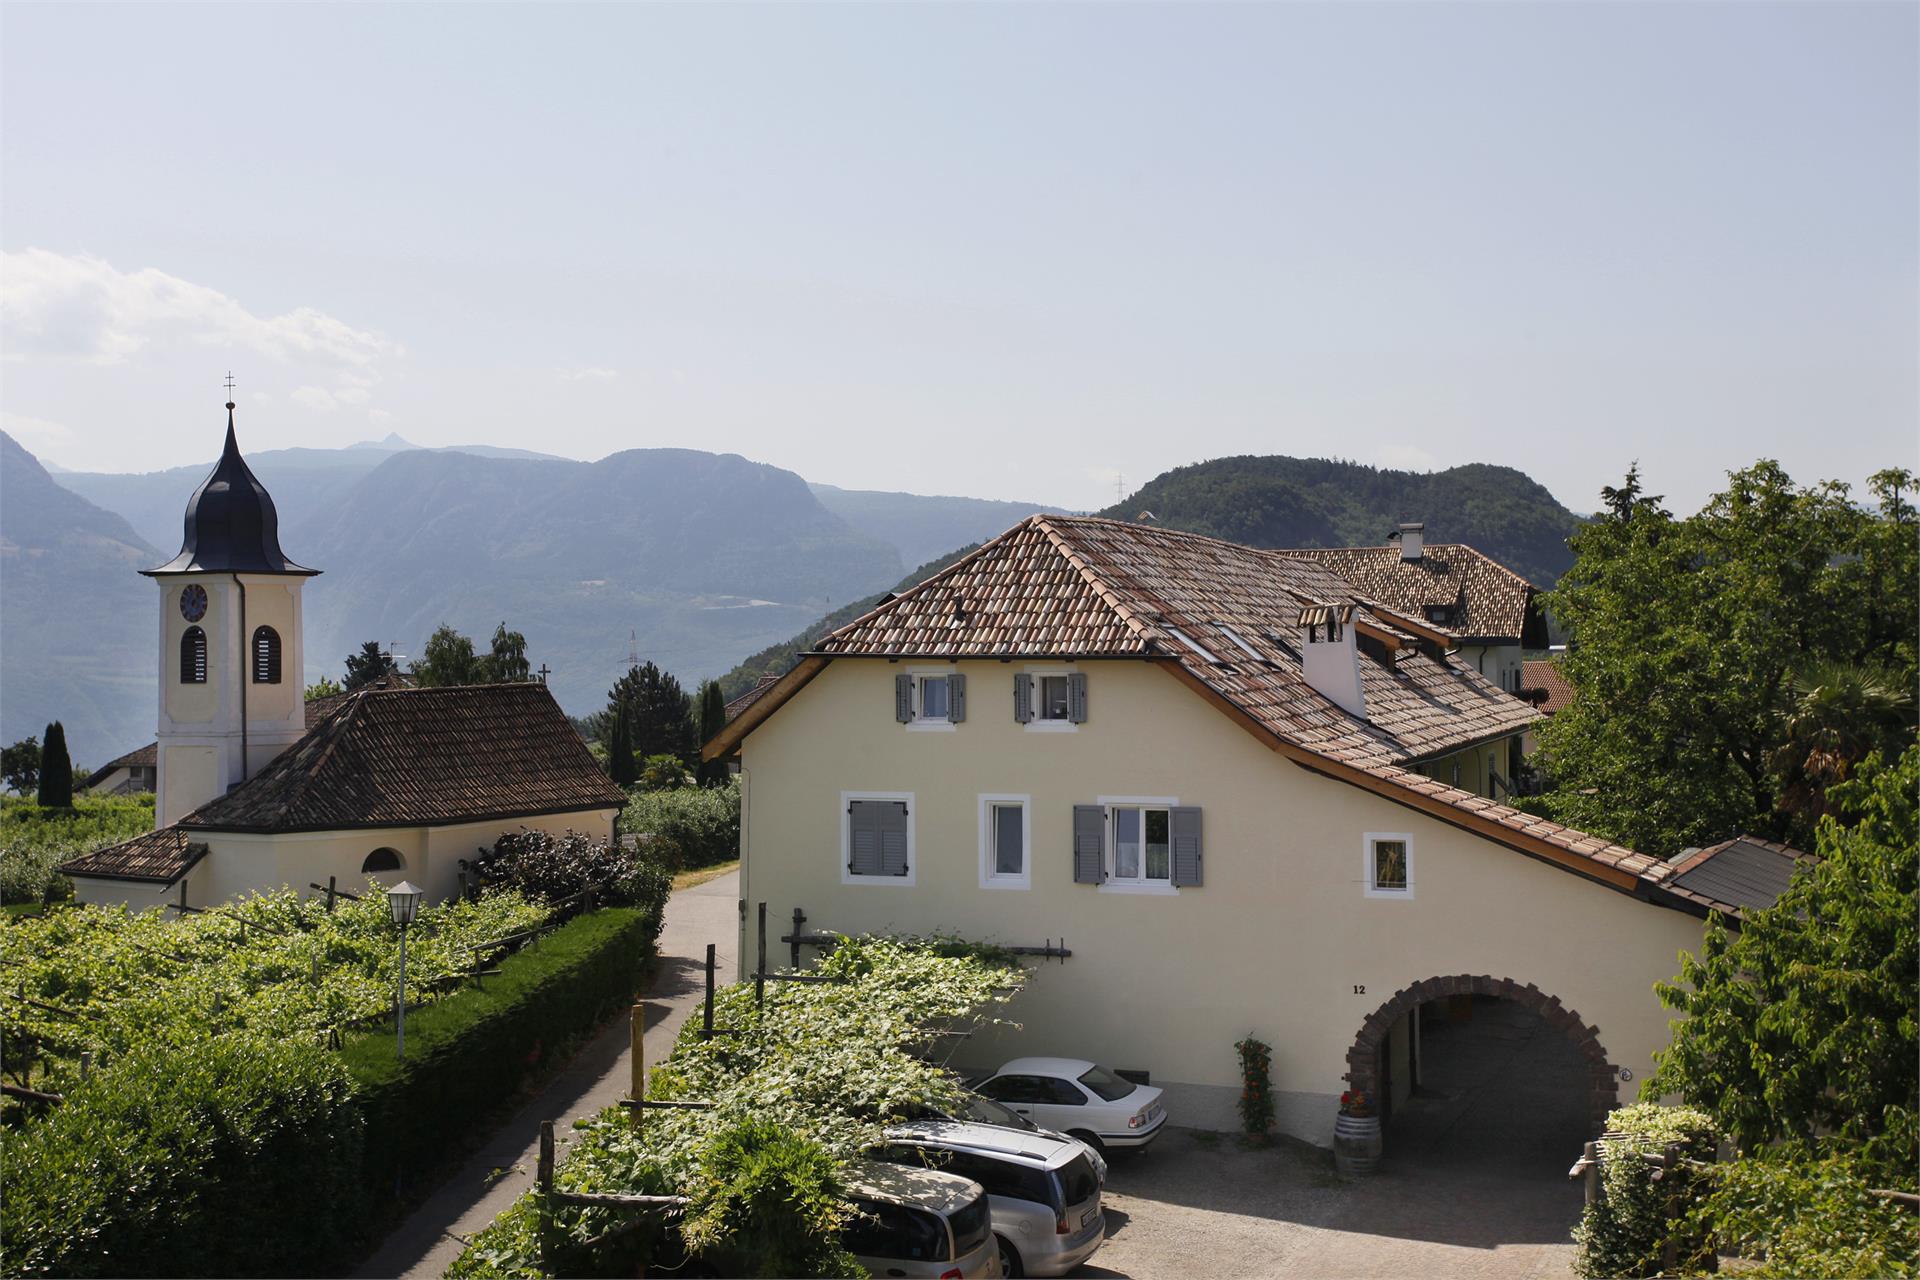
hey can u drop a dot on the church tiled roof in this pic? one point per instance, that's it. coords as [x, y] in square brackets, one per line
[160, 857]
[1226, 620]
[419, 757]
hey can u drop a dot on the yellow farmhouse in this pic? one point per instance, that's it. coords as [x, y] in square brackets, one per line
[259, 788]
[1243, 797]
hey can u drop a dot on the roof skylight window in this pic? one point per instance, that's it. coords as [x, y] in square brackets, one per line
[1245, 648]
[1190, 642]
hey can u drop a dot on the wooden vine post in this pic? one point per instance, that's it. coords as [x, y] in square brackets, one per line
[706, 1016]
[637, 1086]
[544, 1178]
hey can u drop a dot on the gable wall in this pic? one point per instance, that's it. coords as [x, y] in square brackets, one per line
[1273, 943]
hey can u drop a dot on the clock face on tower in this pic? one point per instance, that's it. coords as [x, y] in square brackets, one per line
[193, 603]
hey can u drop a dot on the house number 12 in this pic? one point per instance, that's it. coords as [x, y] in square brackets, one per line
[1359, 988]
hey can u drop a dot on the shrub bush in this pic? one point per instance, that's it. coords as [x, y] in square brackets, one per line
[470, 1051]
[239, 1157]
[34, 840]
[1622, 1232]
[547, 868]
[1807, 1216]
[702, 824]
[770, 1200]
[1256, 1087]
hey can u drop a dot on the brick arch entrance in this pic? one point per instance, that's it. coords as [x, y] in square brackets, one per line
[1603, 1079]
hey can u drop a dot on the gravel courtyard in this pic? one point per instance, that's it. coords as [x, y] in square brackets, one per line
[1474, 1184]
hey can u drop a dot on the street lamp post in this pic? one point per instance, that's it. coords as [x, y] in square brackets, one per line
[403, 900]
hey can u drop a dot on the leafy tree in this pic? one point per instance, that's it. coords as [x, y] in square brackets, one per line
[1684, 637]
[507, 662]
[20, 765]
[658, 711]
[663, 772]
[1803, 1023]
[713, 718]
[620, 765]
[56, 770]
[323, 688]
[370, 664]
[1838, 714]
[449, 660]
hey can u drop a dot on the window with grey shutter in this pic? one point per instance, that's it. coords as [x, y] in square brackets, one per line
[1089, 843]
[1022, 698]
[893, 838]
[903, 698]
[863, 837]
[1187, 852]
[1077, 697]
[956, 698]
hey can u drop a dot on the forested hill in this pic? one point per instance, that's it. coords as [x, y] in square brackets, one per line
[1316, 502]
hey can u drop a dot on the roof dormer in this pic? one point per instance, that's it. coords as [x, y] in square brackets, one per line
[1329, 658]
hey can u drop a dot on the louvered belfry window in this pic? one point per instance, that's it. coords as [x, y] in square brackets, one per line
[193, 656]
[266, 656]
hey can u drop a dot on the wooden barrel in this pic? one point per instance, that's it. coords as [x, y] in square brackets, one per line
[1356, 1145]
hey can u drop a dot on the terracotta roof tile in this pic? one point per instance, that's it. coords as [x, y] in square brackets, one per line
[1543, 674]
[752, 695]
[161, 856]
[416, 757]
[1483, 598]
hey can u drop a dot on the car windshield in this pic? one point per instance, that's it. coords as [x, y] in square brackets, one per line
[987, 1111]
[1108, 1085]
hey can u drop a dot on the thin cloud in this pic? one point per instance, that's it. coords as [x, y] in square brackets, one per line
[82, 308]
[591, 373]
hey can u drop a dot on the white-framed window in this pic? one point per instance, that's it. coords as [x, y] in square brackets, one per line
[1139, 844]
[1387, 861]
[932, 699]
[1006, 842]
[876, 838]
[1052, 694]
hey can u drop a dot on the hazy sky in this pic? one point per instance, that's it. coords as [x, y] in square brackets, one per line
[1000, 250]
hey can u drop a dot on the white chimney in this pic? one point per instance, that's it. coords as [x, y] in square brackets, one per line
[1412, 541]
[1328, 658]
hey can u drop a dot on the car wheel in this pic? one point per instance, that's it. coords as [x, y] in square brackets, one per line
[1009, 1258]
[1081, 1135]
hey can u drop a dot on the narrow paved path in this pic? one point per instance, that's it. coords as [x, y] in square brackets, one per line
[435, 1233]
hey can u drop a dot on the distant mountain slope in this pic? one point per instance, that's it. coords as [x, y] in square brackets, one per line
[76, 620]
[923, 527]
[1314, 502]
[776, 658]
[704, 556]
[153, 502]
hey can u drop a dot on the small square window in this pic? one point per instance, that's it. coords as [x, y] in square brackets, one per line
[1055, 698]
[1389, 865]
[933, 697]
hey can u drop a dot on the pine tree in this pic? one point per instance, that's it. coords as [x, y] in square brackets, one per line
[56, 769]
[370, 664]
[713, 718]
[658, 711]
[620, 763]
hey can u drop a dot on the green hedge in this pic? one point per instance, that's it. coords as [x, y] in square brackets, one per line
[239, 1157]
[468, 1053]
[700, 824]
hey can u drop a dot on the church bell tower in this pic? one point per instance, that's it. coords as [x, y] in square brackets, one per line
[231, 690]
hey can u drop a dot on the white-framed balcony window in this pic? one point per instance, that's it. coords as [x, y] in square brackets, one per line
[930, 699]
[1006, 842]
[876, 838]
[1050, 699]
[1139, 844]
[1387, 861]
